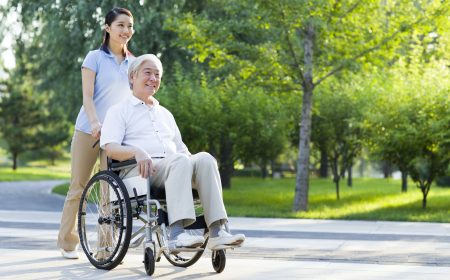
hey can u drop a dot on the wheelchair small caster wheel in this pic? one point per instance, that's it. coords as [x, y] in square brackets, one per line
[219, 260]
[149, 261]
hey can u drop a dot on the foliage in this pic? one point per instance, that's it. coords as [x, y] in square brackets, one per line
[20, 118]
[299, 44]
[409, 124]
[254, 123]
[337, 125]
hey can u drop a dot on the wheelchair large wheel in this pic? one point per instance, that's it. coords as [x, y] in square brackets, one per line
[184, 259]
[105, 220]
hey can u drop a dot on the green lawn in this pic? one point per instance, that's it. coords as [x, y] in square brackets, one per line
[368, 199]
[36, 171]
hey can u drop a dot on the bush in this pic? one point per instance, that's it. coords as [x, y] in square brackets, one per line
[443, 181]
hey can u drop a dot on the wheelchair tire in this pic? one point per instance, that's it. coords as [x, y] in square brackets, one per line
[219, 260]
[105, 220]
[182, 259]
[149, 261]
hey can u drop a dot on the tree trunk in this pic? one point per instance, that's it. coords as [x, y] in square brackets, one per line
[424, 200]
[404, 181]
[14, 155]
[336, 182]
[226, 162]
[323, 170]
[350, 176]
[302, 180]
[335, 171]
[264, 171]
[387, 170]
[361, 167]
[424, 187]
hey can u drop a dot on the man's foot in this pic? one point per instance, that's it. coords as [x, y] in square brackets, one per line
[69, 254]
[185, 240]
[224, 240]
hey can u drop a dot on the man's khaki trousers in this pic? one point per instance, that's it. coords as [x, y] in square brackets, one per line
[84, 157]
[180, 174]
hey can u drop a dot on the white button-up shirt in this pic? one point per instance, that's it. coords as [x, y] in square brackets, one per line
[151, 128]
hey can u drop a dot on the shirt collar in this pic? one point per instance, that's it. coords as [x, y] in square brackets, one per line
[127, 55]
[136, 101]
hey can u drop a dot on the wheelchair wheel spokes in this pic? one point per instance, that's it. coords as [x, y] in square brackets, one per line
[104, 221]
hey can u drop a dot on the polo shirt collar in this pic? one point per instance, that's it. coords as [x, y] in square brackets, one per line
[136, 101]
[127, 56]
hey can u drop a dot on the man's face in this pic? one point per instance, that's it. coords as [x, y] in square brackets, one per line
[147, 80]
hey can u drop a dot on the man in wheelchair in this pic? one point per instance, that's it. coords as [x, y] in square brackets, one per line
[140, 128]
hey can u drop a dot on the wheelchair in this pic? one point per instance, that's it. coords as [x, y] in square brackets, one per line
[108, 209]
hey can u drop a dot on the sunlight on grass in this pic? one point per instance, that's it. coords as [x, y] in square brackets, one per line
[368, 199]
[36, 171]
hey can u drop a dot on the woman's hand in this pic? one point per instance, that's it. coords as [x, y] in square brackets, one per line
[96, 129]
[144, 163]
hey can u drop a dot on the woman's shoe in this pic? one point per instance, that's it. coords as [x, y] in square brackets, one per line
[69, 254]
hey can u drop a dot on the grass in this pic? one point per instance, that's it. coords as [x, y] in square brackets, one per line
[368, 199]
[36, 171]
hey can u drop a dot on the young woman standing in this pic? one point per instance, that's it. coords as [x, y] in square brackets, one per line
[104, 83]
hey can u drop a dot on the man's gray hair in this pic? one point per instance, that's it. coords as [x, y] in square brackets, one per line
[137, 63]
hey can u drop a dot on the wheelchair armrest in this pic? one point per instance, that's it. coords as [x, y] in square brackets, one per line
[115, 164]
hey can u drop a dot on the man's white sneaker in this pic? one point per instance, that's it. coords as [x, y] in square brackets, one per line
[225, 240]
[187, 241]
[69, 254]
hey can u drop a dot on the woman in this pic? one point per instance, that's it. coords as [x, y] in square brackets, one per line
[105, 83]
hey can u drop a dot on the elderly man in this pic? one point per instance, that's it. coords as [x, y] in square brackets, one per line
[140, 128]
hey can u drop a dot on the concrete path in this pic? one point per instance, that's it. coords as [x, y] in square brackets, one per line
[30, 195]
[274, 249]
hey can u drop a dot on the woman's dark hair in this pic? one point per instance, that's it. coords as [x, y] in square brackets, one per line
[109, 18]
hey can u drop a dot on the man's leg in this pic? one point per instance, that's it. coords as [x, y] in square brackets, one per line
[83, 158]
[175, 173]
[207, 182]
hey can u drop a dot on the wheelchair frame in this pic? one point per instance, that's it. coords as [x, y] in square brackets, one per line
[115, 218]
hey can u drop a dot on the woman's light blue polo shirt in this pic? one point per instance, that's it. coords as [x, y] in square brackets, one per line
[111, 85]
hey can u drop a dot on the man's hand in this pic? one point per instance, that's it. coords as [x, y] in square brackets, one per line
[144, 163]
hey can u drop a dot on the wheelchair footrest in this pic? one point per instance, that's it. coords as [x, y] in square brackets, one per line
[225, 247]
[184, 249]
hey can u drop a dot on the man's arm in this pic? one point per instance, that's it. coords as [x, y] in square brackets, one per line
[121, 153]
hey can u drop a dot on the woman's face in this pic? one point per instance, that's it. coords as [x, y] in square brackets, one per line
[120, 30]
[146, 80]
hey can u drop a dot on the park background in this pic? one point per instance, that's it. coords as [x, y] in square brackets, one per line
[314, 109]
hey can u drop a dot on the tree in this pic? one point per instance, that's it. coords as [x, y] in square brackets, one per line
[20, 115]
[246, 125]
[305, 43]
[410, 125]
[337, 126]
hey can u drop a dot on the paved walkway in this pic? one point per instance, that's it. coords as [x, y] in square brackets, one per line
[274, 249]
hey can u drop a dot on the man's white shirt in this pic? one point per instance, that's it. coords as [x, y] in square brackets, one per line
[151, 128]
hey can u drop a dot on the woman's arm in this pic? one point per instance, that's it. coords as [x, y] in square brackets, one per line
[88, 80]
